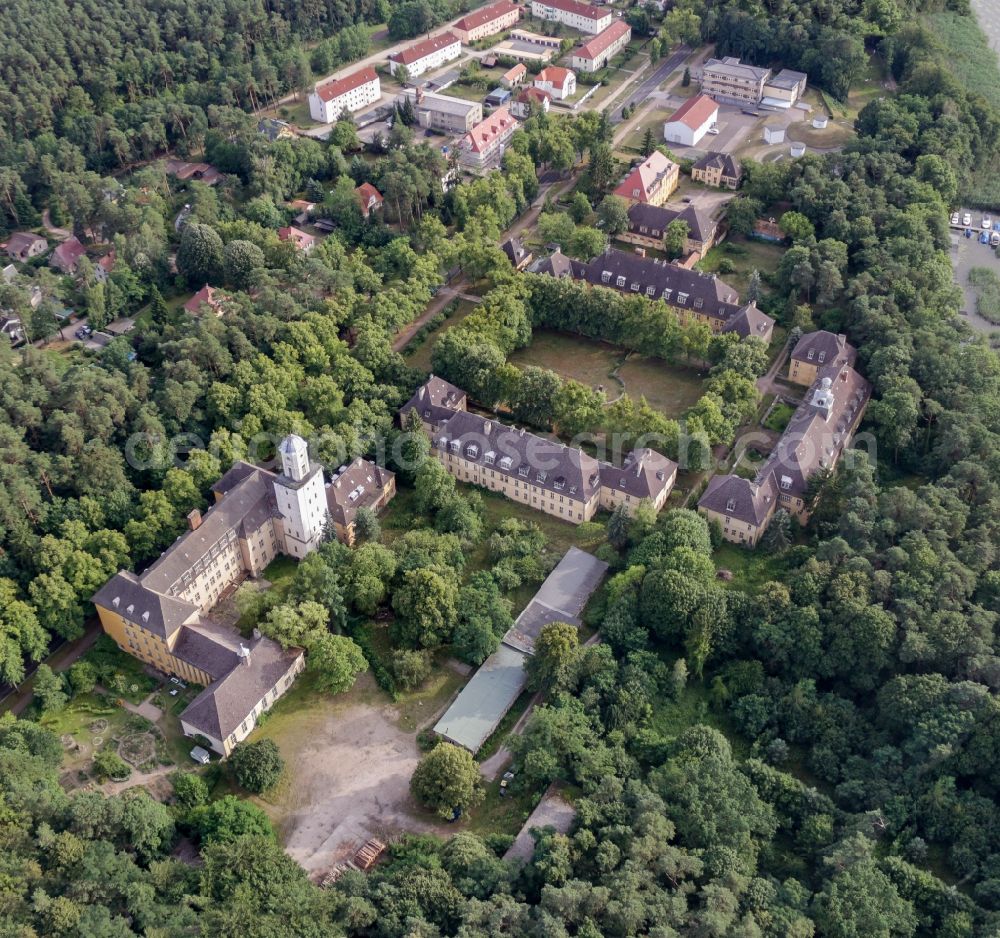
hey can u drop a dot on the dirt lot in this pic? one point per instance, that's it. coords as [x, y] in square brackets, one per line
[349, 767]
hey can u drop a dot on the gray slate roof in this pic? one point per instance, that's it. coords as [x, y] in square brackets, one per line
[361, 474]
[435, 400]
[162, 615]
[738, 498]
[657, 217]
[826, 348]
[726, 162]
[750, 321]
[731, 66]
[644, 474]
[207, 647]
[222, 706]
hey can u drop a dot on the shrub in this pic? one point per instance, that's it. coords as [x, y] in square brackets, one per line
[108, 764]
[257, 766]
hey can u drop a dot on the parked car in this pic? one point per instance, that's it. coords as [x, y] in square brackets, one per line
[954, 219]
[967, 219]
[984, 238]
[968, 232]
[83, 332]
[987, 224]
[995, 239]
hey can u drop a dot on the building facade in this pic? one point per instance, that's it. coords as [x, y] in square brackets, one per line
[486, 21]
[427, 54]
[443, 113]
[719, 170]
[482, 148]
[581, 16]
[821, 428]
[691, 121]
[652, 181]
[529, 100]
[161, 616]
[784, 89]
[345, 95]
[546, 475]
[647, 226]
[595, 54]
[733, 82]
[818, 350]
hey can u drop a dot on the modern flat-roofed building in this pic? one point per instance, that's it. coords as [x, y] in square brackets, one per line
[817, 435]
[652, 181]
[595, 54]
[733, 82]
[443, 113]
[482, 147]
[486, 21]
[783, 90]
[581, 16]
[544, 474]
[161, 616]
[427, 54]
[345, 95]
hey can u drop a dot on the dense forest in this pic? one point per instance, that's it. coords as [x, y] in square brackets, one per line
[836, 770]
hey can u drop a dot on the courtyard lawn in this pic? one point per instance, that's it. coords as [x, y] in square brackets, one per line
[778, 419]
[745, 256]
[751, 568]
[671, 389]
[573, 357]
[837, 133]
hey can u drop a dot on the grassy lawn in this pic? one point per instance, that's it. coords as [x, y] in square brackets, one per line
[870, 87]
[778, 419]
[672, 389]
[416, 707]
[654, 120]
[672, 717]
[502, 815]
[969, 56]
[279, 573]
[745, 256]
[836, 133]
[750, 568]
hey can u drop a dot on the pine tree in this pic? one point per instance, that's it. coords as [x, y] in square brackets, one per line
[648, 142]
[158, 307]
[753, 286]
[686, 80]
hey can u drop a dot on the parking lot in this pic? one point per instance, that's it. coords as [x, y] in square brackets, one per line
[967, 253]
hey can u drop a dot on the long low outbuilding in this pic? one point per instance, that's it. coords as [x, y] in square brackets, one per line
[477, 711]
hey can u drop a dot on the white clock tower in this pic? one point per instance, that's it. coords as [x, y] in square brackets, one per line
[301, 497]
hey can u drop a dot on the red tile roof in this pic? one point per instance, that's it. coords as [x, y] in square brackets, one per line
[66, 256]
[639, 184]
[600, 42]
[424, 48]
[485, 15]
[484, 133]
[206, 296]
[555, 74]
[334, 89]
[694, 112]
[580, 9]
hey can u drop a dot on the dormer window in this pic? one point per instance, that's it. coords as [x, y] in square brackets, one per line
[634, 287]
[542, 476]
[472, 451]
[620, 281]
[505, 463]
[650, 290]
[605, 276]
[621, 482]
[643, 229]
[786, 482]
[455, 445]
[523, 471]
[682, 298]
[822, 357]
[811, 355]
[489, 458]
[559, 484]
[667, 293]
[731, 505]
[699, 302]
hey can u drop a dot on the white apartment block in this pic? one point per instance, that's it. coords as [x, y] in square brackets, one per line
[582, 16]
[332, 99]
[427, 54]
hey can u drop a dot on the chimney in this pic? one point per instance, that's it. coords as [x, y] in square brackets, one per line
[194, 519]
[244, 653]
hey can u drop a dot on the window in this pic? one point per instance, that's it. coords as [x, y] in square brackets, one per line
[731, 505]
[489, 457]
[605, 276]
[822, 357]
[811, 355]
[681, 299]
[650, 290]
[634, 286]
[620, 281]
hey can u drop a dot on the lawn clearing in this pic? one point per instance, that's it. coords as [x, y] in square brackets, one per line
[420, 357]
[571, 357]
[987, 286]
[751, 569]
[671, 389]
[745, 256]
[778, 419]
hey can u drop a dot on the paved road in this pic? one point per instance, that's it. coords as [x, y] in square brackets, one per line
[651, 82]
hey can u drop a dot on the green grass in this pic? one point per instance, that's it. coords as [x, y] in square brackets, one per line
[987, 285]
[416, 707]
[672, 389]
[751, 569]
[778, 419]
[497, 737]
[420, 357]
[671, 717]
[502, 815]
[745, 255]
[279, 573]
[968, 53]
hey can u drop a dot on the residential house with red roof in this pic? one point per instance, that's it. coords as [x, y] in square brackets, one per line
[369, 198]
[65, 257]
[514, 76]
[691, 121]
[301, 239]
[344, 95]
[426, 54]
[652, 181]
[486, 21]
[530, 99]
[594, 55]
[207, 299]
[482, 147]
[557, 81]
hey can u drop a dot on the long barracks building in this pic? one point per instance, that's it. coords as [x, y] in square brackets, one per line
[545, 474]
